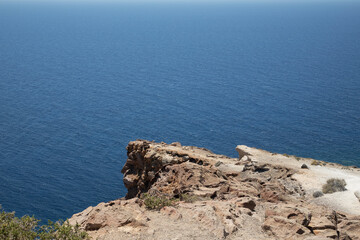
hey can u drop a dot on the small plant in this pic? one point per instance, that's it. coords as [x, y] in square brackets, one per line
[188, 198]
[334, 185]
[156, 202]
[27, 228]
[317, 194]
[318, 163]
[286, 155]
[315, 162]
[61, 230]
[297, 158]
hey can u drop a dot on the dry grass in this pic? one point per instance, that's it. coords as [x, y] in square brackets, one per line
[334, 185]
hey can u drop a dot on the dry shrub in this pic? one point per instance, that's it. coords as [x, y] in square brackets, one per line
[318, 194]
[334, 185]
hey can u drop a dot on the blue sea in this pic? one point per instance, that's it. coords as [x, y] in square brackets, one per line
[79, 81]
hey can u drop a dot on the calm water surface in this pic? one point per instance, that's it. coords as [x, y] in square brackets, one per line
[78, 82]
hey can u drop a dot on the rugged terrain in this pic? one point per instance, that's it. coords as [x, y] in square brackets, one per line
[260, 195]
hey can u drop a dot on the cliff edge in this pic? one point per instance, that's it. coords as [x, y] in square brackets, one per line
[182, 192]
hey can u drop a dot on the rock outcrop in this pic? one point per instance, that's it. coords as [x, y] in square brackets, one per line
[211, 196]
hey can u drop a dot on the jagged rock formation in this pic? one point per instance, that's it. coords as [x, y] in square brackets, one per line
[213, 197]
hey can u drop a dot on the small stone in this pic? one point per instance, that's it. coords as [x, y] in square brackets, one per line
[186, 158]
[245, 158]
[304, 166]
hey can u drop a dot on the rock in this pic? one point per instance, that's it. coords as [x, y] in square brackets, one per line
[357, 194]
[171, 212]
[304, 166]
[241, 149]
[300, 215]
[211, 196]
[245, 158]
[246, 203]
[324, 222]
[230, 169]
[283, 228]
[350, 228]
[176, 144]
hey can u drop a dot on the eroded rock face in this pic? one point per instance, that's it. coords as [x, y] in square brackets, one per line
[226, 199]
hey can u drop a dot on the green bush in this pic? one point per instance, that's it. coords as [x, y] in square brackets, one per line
[12, 227]
[156, 202]
[334, 185]
[28, 228]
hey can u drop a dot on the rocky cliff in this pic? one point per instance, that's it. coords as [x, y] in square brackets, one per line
[181, 192]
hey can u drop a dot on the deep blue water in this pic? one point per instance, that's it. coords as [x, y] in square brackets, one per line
[78, 82]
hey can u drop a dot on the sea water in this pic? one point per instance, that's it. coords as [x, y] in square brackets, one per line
[79, 81]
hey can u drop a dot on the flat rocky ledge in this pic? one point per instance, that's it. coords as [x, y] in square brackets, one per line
[260, 195]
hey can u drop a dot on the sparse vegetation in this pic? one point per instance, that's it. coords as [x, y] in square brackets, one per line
[315, 163]
[188, 198]
[156, 202]
[286, 155]
[27, 228]
[318, 163]
[334, 185]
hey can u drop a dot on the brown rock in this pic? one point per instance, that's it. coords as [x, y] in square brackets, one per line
[349, 227]
[211, 197]
[242, 152]
[246, 203]
[284, 228]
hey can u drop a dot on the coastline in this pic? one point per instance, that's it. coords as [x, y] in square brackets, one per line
[313, 178]
[260, 195]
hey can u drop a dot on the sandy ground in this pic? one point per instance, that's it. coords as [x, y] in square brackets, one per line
[313, 178]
